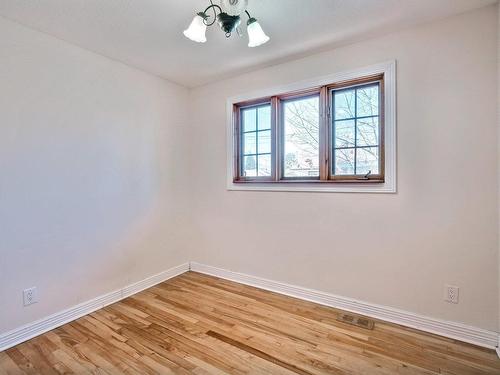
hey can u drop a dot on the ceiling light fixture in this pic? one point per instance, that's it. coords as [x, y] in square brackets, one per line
[229, 20]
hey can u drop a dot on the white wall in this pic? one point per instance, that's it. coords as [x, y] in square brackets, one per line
[91, 169]
[498, 138]
[104, 181]
[396, 250]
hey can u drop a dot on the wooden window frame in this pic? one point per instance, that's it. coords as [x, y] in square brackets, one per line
[238, 141]
[358, 82]
[326, 123]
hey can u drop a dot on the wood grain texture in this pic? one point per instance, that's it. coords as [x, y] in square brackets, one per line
[198, 324]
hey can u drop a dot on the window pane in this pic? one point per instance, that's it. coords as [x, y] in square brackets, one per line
[367, 160]
[249, 145]
[344, 161]
[264, 142]
[264, 117]
[301, 128]
[249, 116]
[344, 133]
[249, 166]
[264, 165]
[344, 104]
[367, 103]
[367, 132]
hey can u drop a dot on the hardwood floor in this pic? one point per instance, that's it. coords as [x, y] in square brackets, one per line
[197, 324]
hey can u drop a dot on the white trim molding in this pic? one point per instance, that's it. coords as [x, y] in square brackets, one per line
[389, 186]
[28, 331]
[457, 331]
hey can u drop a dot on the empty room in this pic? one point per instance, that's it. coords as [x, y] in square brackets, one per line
[250, 187]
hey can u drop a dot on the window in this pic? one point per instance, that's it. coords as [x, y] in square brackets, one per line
[356, 132]
[256, 141]
[329, 136]
[351, 116]
[301, 121]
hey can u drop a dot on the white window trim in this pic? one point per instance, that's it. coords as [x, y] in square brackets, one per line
[389, 186]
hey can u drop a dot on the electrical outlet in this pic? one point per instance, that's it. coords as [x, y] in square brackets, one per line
[451, 293]
[30, 296]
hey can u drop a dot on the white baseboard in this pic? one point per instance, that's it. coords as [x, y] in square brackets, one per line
[457, 331]
[28, 331]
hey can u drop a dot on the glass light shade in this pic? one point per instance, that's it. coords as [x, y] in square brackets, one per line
[256, 35]
[196, 30]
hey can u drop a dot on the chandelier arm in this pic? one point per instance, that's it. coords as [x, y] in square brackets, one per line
[248, 14]
[213, 7]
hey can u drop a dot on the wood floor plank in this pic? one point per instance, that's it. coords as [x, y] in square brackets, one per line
[198, 324]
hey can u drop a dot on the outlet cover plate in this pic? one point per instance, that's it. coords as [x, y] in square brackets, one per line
[451, 293]
[30, 296]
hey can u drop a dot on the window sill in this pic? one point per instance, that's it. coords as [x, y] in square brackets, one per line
[369, 186]
[351, 181]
